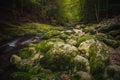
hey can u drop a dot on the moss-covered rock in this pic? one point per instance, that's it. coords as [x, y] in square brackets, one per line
[80, 75]
[71, 42]
[89, 30]
[51, 34]
[15, 59]
[30, 76]
[112, 72]
[99, 59]
[82, 63]
[111, 42]
[58, 58]
[84, 38]
[84, 47]
[43, 47]
[27, 52]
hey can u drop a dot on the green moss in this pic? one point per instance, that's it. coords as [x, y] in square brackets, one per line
[43, 47]
[10, 31]
[51, 34]
[112, 43]
[21, 76]
[59, 57]
[30, 76]
[89, 30]
[27, 52]
[84, 38]
[99, 59]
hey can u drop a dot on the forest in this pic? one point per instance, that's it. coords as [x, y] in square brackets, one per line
[59, 39]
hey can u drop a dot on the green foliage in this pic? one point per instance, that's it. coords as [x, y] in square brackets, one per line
[69, 11]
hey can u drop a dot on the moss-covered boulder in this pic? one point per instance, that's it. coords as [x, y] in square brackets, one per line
[80, 75]
[59, 57]
[44, 46]
[84, 47]
[84, 38]
[71, 42]
[99, 59]
[112, 72]
[82, 64]
[98, 55]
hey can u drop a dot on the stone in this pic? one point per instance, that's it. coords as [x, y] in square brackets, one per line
[78, 32]
[71, 42]
[15, 59]
[84, 46]
[59, 57]
[81, 75]
[112, 72]
[84, 61]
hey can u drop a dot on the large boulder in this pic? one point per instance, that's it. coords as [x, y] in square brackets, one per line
[59, 57]
[98, 55]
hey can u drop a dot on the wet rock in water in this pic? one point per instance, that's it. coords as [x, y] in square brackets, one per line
[112, 72]
[82, 76]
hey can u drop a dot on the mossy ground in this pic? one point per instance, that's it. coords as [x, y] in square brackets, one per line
[11, 31]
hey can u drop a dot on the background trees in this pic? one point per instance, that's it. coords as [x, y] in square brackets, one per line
[67, 12]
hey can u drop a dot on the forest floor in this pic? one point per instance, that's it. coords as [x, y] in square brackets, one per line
[74, 39]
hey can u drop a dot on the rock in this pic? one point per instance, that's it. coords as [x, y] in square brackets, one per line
[78, 32]
[27, 52]
[112, 72]
[84, 61]
[59, 57]
[99, 59]
[115, 58]
[71, 42]
[84, 46]
[82, 76]
[36, 57]
[65, 77]
[15, 59]
[51, 34]
[84, 38]
[68, 32]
